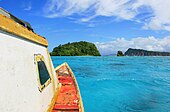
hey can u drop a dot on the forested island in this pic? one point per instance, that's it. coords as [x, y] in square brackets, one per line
[81, 48]
[120, 53]
[141, 52]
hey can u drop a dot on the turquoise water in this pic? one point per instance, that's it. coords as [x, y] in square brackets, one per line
[122, 84]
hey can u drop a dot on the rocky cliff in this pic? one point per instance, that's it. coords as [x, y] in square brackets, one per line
[141, 52]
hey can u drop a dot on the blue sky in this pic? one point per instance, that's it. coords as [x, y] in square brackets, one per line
[111, 24]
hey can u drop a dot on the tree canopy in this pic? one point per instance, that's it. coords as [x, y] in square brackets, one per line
[81, 48]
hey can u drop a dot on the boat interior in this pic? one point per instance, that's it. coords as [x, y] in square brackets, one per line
[68, 98]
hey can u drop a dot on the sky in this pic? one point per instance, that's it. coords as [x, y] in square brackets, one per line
[111, 25]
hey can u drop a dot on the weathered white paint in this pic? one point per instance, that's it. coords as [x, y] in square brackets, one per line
[18, 79]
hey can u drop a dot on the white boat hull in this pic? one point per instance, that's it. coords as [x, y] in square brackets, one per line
[19, 88]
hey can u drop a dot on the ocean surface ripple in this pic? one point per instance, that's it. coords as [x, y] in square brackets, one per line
[122, 84]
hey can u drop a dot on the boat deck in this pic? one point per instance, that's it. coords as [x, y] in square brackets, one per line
[67, 99]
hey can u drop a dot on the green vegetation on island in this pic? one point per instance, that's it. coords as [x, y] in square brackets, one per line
[81, 48]
[120, 53]
[141, 52]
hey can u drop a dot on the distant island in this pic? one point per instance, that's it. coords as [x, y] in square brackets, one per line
[81, 48]
[141, 52]
[120, 53]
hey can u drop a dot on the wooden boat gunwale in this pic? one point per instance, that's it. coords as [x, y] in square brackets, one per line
[50, 108]
[19, 30]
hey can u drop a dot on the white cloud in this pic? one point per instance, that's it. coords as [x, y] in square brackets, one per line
[90, 8]
[161, 15]
[121, 9]
[149, 43]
